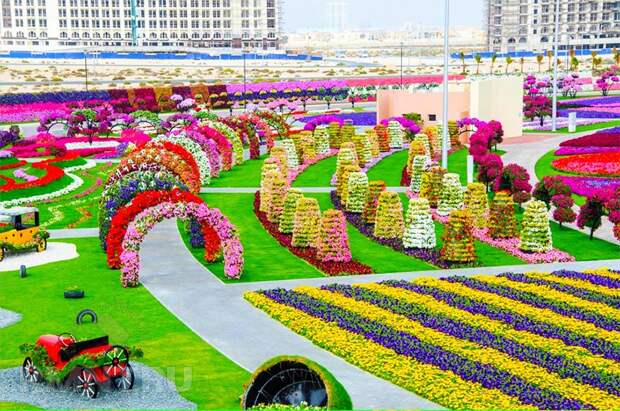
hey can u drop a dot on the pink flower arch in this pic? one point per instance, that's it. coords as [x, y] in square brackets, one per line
[148, 218]
[262, 127]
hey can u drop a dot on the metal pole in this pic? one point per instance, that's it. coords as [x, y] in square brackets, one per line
[556, 39]
[446, 35]
[567, 54]
[245, 103]
[401, 65]
[86, 69]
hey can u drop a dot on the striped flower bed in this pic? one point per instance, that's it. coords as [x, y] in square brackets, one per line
[515, 341]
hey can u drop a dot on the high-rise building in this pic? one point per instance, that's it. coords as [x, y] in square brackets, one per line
[190, 23]
[515, 25]
[336, 12]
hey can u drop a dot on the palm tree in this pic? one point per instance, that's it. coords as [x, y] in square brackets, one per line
[478, 59]
[616, 55]
[509, 61]
[522, 63]
[493, 60]
[539, 60]
[462, 57]
[550, 57]
[593, 56]
[574, 63]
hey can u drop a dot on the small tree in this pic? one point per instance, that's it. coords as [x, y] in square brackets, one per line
[549, 187]
[538, 106]
[493, 60]
[550, 59]
[574, 63]
[489, 168]
[539, 61]
[590, 214]
[463, 65]
[563, 212]
[522, 63]
[509, 61]
[478, 59]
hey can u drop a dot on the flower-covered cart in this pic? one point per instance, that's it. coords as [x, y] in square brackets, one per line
[82, 365]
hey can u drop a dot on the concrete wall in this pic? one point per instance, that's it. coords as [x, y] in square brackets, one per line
[499, 99]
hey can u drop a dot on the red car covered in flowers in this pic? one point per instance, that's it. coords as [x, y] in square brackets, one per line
[83, 365]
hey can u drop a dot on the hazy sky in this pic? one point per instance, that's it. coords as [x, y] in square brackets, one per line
[312, 14]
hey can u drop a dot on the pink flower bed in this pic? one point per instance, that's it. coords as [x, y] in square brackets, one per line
[571, 151]
[19, 113]
[588, 186]
[22, 175]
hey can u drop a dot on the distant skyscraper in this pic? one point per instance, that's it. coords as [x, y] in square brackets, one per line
[336, 12]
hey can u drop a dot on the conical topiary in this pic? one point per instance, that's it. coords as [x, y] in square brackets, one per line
[280, 154]
[357, 192]
[535, 232]
[277, 188]
[375, 188]
[384, 139]
[419, 226]
[362, 148]
[416, 148]
[431, 185]
[420, 163]
[322, 140]
[291, 153]
[287, 219]
[502, 222]
[458, 239]
[347, 152]
[423, 139]
[389, 222]
[344, 186]
[451, 194]
[308, 147]
[396, 134]
[306, 229]
[475, 201]
[374, 142]
[333, 240]
[269, 170]
[347, 132]
[333, 130]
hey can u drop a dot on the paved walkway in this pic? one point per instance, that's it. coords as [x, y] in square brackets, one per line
[74, 233]
[55, 252]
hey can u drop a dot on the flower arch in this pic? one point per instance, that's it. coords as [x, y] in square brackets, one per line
[224, 146]
[202, 161]
[247, 131]
[178, 120]
[276, 122]
[232, 136]
[209, 147]
[262, 128]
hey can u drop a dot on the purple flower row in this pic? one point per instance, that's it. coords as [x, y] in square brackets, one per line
[409, 345]
[537, 301]
[563, 366]
[431, 256]
[517, 321]
[359, 119]
[593, 278]
[590, 114]
[609, 300]
[587, 186]
[569, 151]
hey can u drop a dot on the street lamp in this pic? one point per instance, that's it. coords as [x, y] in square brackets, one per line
[556, 37]
[401, 65]
[444, 137]
[245, 103]
[86, 69]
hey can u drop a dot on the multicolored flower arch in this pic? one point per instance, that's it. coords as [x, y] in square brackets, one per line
[261, 127]
[248, 133]
[276, 121]
[209, 146]
[195, 150]
[224, 146]
[233, 138]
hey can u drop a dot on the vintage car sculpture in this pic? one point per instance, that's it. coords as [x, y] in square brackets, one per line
[82, 365]
[20, 231]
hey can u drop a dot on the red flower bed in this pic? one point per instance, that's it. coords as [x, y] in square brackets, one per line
[602, 164]
[125, 215]
[53, 173]
[602, 139]
[307, 253]
[405, 178]
[12, 165]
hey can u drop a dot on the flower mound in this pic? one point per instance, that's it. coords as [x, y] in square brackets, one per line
[601, 164]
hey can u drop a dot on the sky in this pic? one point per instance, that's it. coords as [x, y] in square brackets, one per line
[304, 15]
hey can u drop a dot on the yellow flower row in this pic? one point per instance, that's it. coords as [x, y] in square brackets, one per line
[499, 328]
[539, 314]
[573, 282]
[603, 272]
[548, 292]
[442, 387]
[534, 374]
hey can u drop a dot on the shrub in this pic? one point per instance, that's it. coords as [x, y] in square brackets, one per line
[536, 232]
[514, 178]
[419, 226]
[306, 229]
[287, 219]
[420, 164]
[375, 188]
[451, 194]
[357, 192]
[490, 168]
[389, 220]
[502, 222]
[563, 212]
[475, 201]
[549, 187]
[458, 239]
[590, 214]
[333, 240]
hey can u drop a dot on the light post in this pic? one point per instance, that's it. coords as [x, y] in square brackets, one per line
[401, 65]
[86, 69]
[444, 137]
[556, 37]
[245, 102]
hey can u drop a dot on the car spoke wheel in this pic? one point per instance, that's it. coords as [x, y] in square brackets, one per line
[30, 372]
[86, 384]
[116, 359]
[125, 381]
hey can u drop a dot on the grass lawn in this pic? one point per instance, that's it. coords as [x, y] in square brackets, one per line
[544, 168]
[245, 175]
[17, 406]
[59, 184]
[317, 175]
[389, 169]
[128, 316]
[580, 129]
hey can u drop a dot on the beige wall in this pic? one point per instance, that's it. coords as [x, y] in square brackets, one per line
[499, 99]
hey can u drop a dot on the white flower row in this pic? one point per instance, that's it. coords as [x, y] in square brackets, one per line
[94, 144]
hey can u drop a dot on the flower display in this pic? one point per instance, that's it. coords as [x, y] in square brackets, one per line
[375, 188]
[502, 222]
[291, 153]
[373, 139]
[280, 155]
[269, 170]
[357, 189]
[458, 239]
[451, 194]
[322, 140]
[287, 219]
[306, 228]
[333, 240]
[308, 147]
[228, 142]
[277, 187]
[334, 131]
[395, 134]
[419, 226]
[416, 148]
[590, 214]
[383, 138]
[420, 165]
[604, 138]
[362, 148]
[475, 201]
[431, 185]
[601, 164]
[357, 119]
[347, 152]
[201, 158]
[423, 139]
[409, 126]
[535, 232]
[389, 222]
[347, 132]
[343, 181]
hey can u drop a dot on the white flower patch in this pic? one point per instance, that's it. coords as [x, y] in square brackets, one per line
[96, 144]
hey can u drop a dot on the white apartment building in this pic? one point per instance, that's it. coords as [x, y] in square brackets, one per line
[189, 23]
[524, 25]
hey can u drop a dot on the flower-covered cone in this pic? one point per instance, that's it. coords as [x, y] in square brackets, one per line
[389, 222]
[419, 226]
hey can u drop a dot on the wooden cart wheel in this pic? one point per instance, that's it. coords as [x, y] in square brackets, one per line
[41, 245]
[116, 361]
[30, 372]
[125, 381]
[86, 384]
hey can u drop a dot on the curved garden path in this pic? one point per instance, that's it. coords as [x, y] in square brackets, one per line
[527, 150]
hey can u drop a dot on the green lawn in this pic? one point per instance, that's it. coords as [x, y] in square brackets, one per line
[128, 316]
[245, 175]
[317, 175]
[389, 169]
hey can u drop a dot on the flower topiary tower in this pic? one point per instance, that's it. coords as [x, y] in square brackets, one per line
[280, 154]
[536, 232]
[347, 132]
[306, 228]
[458, 239]
[287, 219]
[475, 200]
[308, 147]
[451, 194]
[357, 192]
[277, 187]
[415, 149]
[423, 139]
[347, 152]
[396, 134]
[384, 139]
[291, 153]
[375, 188]
[322, 140]
[269, 170]
[502, 222]
[389, 222]
[431, 185]
[373, 139]
[362, 148]
[334, 135]
[343, 188]
[333, 240]
[419, 226]
[420, 164]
